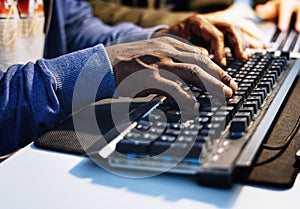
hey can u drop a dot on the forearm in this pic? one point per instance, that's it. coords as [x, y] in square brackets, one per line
[36, 97]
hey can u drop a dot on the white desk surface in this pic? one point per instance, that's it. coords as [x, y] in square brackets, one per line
[35, 179]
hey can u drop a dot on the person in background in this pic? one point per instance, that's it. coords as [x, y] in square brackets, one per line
[242, 13]
[36, 96]
[283, 11]
[153, 12]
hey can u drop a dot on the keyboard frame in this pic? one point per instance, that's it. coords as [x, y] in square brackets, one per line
[218, 169]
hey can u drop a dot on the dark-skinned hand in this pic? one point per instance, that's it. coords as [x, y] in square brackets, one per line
[211, 34]
[151, 66]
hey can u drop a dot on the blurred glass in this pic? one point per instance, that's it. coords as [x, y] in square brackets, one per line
[21, 32]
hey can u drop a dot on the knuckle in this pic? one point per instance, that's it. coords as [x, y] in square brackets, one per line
[225, 78]
[194, 71]
[219, 35]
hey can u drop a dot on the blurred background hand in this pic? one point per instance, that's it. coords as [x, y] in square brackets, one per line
[211, 34]
[282, 10]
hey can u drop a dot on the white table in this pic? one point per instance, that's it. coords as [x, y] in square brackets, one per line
[36, 178]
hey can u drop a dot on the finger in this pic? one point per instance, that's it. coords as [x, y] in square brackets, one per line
[255, 43]
[203, 50]
[211, 35]
[214, 82]
[202, 63]
[250, 29]
[268, 10]
[218, 47]
[172, 89]
[149, 81]
[236, 41]
[297, 23]
[286, 9]
[179, 45]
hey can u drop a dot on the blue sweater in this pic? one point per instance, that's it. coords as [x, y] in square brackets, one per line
[37, 96]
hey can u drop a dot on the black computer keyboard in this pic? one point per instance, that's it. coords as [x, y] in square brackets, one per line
[286, 41]
[219, 137]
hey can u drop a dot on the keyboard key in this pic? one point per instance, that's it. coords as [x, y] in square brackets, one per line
[238, 124]
[265, 85]
[256, 99]
[253, 104]
[176, 125]
[260, 91]
[242, 94]
[268, 80]
[224, 114]
[186, 138]
[173, 132]
[250, 110]
[143, 125]
[168, 138]
[160, 124]
[229, 109]
[203, 120]
[173, 116]
[156, 130]
[133, 135]
[259, 95]
[271, 77]
[235, 102]
[276, 69]
[219, 120]
[190, 132]
[243, 114]
[159, 147]
[133, 146]
[195, 151]
[205, 114]
[244, 91]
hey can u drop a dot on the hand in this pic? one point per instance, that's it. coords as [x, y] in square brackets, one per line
[210, 34]
[252, 34]
[281, 9]
[151, 66]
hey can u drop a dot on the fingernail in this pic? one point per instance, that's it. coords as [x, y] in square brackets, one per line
[264, 45]
[297, 27]
[233, 85]
[223, 61]
[282, 27]
[227, 91]
[245, 55]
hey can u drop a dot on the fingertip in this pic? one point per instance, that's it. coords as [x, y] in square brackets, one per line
[297, 27]
[245, 55]
[233, 85]
[282, 26]
[261, 11]
[227, 91]
[264, 45]
[191, 103]
[223, 61]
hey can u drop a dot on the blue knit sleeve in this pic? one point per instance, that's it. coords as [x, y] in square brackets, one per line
[37, 96]
[82, 29]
